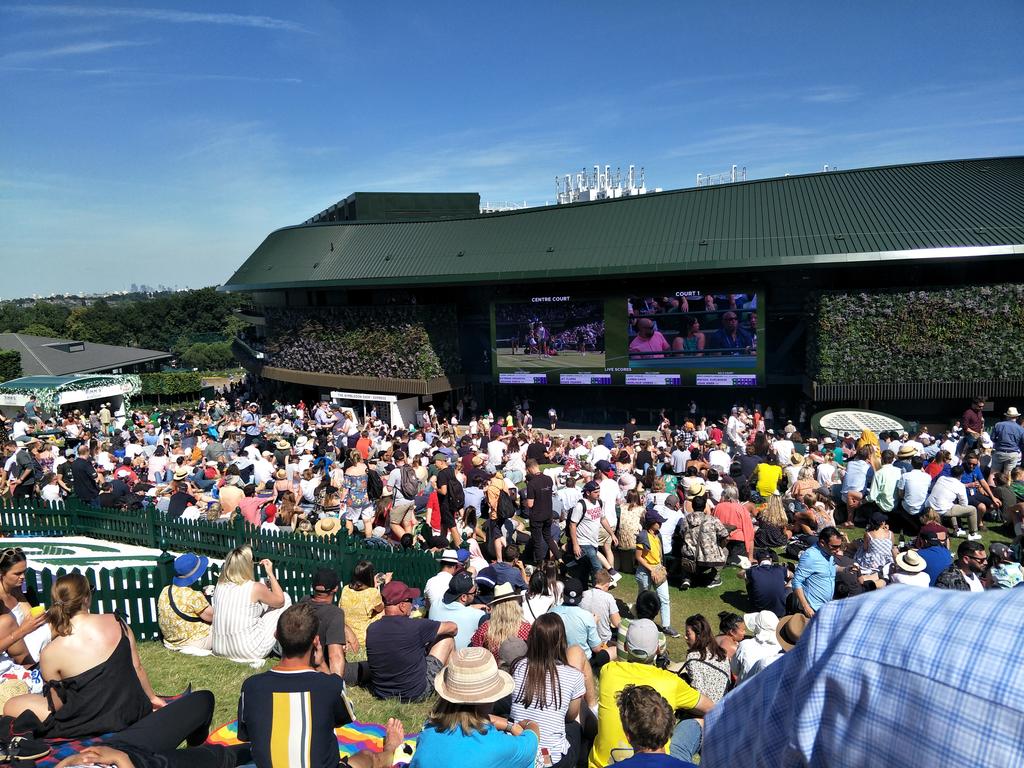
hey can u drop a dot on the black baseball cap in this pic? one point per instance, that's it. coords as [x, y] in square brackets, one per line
[573, 592]
[461, 584]
[325, 580]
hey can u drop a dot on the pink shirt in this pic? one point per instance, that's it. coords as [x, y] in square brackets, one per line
[657, 343]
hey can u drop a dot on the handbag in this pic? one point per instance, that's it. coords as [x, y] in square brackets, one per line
[658, 575]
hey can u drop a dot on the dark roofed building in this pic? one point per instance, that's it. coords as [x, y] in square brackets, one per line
[424, 306]
[42, 356]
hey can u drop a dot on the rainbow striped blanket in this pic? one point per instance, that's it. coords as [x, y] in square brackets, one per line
[352, 738]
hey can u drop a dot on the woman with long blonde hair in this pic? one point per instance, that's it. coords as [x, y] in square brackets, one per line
[245, 611]
[506, 621]
[772, 524]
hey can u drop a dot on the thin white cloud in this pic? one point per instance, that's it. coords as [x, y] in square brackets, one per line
[833, 94]
[135, 77]
[75, 49]
[165, 15]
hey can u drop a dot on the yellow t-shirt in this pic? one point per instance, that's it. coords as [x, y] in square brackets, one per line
[651, 556]
[611, 744]
[358, 606]
[768, 476]
[176, 631]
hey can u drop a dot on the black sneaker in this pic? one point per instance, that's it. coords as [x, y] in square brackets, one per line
[669, 632]
[716, 583]
[23, 748]
[684, 584]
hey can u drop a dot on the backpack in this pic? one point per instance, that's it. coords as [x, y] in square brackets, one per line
[408, 483]
[456, 493]
[374, 485]
[506, 507]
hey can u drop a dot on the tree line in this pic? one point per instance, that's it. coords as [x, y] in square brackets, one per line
[196, 325]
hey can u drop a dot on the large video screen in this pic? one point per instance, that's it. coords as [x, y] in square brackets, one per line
[691, 337]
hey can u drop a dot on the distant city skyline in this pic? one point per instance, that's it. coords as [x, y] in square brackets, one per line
[160, 142]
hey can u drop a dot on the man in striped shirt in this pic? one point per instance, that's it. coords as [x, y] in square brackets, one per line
[289, 713]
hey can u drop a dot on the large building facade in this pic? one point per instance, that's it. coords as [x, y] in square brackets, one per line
[830, 287]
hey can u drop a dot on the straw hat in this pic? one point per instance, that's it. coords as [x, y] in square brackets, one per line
[283, 445]
[790, 629]
[472, 677]
[503, 592]
[906, 452]
[910, 561]
[181, 473]
[327, 526]
[796, 459]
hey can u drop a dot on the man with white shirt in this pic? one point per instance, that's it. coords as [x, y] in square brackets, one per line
[736, 431]
[912, 490]
[496, 454]
[669, 509]
[566, 497]
[609, 497]
[417, 445]
[599, 453]
[679, 458]
[783, 448]
[263, 469]
[949, 498]
[437, 585]
[719, 459]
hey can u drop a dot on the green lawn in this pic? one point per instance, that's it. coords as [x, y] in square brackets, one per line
[171, 672]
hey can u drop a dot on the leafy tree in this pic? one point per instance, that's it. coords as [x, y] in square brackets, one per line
[38, 329]
[10, 364]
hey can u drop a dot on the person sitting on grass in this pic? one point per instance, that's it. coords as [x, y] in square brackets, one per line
[245, 611]
[404, 655]
[505, 621]
[96, 683]
[461, 731]
[288, 714]
[636, 667]
[335, 636]
[185, 614]
[551, 683]
[648, 722]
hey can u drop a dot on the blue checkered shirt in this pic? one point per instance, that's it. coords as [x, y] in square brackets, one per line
[903, 676]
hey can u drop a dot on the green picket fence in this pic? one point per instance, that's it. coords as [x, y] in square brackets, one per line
[134, 591]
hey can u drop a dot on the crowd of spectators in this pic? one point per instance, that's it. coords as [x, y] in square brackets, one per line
[518, 642]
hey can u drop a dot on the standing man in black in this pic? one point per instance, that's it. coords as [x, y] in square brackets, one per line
[85, 477]
[23, 473]
[449, 489]
[630, 431]
[539, 491]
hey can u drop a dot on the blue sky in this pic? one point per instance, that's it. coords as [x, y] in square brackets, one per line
[160, 142]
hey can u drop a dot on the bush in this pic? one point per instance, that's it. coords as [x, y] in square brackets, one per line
[10, 364]
[388, 342]
[948, 334]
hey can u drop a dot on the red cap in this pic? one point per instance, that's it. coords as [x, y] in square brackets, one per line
[395, 592]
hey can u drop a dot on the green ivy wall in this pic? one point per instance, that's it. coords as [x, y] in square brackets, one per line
[948, 334]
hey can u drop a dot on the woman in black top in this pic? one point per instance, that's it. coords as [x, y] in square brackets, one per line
[95, 682]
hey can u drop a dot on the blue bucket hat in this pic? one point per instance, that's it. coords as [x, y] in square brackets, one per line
[189, 568]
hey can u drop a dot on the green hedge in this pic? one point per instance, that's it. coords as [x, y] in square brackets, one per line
[10, 364]
[173, 383]
[947, 334]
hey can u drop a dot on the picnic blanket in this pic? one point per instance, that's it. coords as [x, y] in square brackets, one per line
[352, 738]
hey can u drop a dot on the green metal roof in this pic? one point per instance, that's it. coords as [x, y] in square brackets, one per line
[954, 208]
[56, 382]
